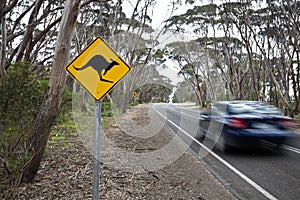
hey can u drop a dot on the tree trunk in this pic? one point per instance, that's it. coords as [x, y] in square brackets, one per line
[3, 46]
[52, 99]
[198, 91]
[27, 37]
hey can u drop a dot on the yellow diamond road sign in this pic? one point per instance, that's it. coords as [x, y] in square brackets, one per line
[98, 68]
[134, 94]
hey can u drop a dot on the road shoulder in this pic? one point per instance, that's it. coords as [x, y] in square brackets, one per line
[66, 172]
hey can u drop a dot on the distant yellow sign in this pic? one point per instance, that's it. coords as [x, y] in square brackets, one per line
[134, 94]
[98, 68]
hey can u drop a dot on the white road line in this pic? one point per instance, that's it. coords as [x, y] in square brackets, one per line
[239, 173]
[291, 148]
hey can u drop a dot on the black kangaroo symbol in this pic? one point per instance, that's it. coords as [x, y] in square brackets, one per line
[100, 64]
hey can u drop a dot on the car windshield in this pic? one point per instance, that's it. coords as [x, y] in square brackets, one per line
[245, 108]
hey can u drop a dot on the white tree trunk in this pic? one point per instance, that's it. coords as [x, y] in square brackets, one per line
[52, 99]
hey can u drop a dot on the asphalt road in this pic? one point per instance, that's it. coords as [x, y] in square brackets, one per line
[261, 173]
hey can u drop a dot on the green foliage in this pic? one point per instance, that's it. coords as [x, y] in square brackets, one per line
[21, 95]
[66, 104]
[106, 109]
[107, 122]
[135, 102]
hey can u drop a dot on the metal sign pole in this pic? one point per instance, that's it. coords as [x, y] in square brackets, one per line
[96, 151]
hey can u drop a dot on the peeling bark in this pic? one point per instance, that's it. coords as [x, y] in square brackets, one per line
[52, 99]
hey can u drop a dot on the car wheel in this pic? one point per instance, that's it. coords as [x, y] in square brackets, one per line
[221, 144]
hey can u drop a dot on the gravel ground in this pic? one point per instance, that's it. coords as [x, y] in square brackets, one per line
[66, 171]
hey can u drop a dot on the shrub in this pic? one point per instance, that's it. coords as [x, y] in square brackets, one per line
[106, 109]
[21, 95]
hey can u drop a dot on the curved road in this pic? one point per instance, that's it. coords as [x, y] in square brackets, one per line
[249, 174]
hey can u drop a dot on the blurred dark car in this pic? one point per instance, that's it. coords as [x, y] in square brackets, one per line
[244, 124]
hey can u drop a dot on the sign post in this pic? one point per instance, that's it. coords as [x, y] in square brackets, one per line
[98, 68]
[96, 150]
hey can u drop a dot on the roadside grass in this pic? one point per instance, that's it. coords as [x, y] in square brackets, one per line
[66, 130]
[63, 130]
[107, 122]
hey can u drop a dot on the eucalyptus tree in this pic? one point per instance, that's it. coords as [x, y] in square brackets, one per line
[270, 39]
[219, 24]
[264, 59]
[184, 93]
[230, 63]
[139, 54]
[137, 44]
[277, 38]
[238, 15]
[198, 69]
[284, 17]
[53, 97]
[157, 88]
[225, 51]
[99, 18]
[29, 33]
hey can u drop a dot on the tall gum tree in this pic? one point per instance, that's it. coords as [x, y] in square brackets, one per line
[52, 99]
